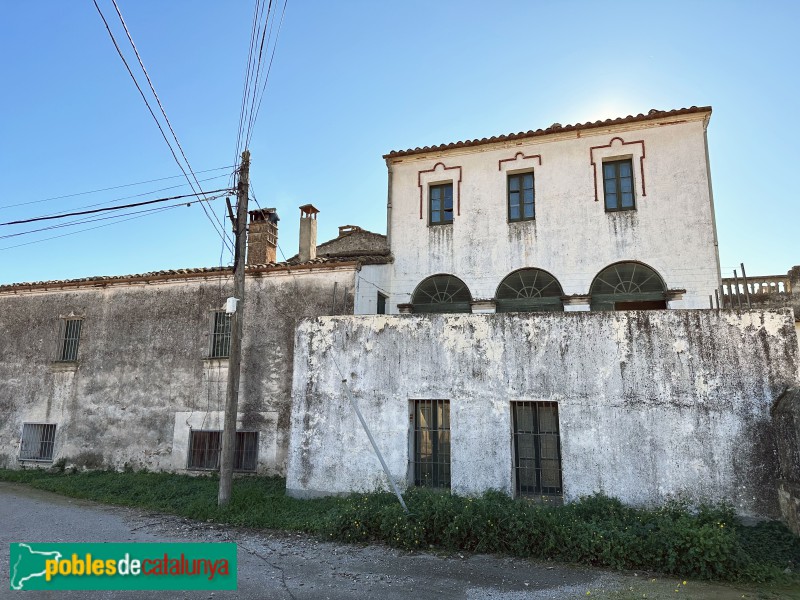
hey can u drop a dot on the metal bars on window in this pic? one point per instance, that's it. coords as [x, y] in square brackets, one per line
[431, 460]
[537, 448]
[69, 337]
[220, 335]
[205, 448]
[38, 440]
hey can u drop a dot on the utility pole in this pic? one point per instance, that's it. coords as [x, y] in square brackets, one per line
[237, 319]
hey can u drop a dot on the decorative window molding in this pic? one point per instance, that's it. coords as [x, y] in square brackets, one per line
[428, 177]
[614, 151]
[519, 161]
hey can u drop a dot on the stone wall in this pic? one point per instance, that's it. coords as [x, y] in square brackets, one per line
[652, 405]
[143, 377]
[786, 415]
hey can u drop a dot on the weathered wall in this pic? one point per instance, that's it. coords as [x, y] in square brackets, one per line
[143, 374]
[573, 237]
[786, 416]
[652, 404]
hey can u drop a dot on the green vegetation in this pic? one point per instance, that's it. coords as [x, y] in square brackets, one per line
[706, 543]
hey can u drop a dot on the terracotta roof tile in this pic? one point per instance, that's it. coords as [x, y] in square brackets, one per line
[554, 128]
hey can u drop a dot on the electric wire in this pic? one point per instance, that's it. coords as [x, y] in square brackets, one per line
[152, 114]
[161, 107]
[98, 210]
[114, 187]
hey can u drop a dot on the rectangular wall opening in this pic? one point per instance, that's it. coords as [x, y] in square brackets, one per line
[537, 448]
[431, 451]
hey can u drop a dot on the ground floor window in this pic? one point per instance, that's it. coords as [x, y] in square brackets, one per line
[37, 441]
[205, 449]
[431, 458]
[537, 448]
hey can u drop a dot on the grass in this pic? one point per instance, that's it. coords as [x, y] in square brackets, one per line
[704, 542]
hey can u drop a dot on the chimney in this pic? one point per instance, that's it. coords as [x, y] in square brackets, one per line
[308, 232]
[262, 238]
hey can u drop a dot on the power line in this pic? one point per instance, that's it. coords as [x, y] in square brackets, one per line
[160, 106]
[115, 187]
[221, 233]
[98, 210]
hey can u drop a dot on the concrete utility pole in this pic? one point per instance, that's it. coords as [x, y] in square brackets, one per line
[237, 319]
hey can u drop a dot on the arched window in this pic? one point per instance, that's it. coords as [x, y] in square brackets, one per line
[529, 290]
[628, 286]
[441, 294]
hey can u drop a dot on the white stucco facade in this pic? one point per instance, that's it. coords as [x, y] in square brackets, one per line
[573, 237]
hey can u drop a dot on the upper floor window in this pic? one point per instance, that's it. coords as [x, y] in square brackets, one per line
[69, 336]
[441, 204]
[618, 185]
[520, 197]
[220, 335]
[441, 294]
[529, 290]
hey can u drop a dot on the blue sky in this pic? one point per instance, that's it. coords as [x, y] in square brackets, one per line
[354, 79]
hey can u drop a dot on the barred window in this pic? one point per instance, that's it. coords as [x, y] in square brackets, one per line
[37, 441]
[431, 460]
[537, 448]
[205, 449]
[220, 335]
[69, 336]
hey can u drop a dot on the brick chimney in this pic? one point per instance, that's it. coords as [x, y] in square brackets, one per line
[262, 237]
[308, 232]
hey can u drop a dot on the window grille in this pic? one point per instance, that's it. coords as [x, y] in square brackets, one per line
[68, 340]
[220, 335]
[441, 294]
[205, 449]
[37, 442]
[537, 448]
[432, 443]
[622, 285]
[529, 290]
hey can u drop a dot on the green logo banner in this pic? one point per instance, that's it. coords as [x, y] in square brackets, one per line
[122, 566]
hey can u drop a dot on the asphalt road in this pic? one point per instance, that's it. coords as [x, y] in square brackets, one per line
[277, 565]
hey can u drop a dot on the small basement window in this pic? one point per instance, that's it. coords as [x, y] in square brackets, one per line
[38, 440]
[205, 449]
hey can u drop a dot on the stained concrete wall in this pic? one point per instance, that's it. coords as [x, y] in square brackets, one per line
[786, 418]
[651, 404]
[573, 237]
[143, 376]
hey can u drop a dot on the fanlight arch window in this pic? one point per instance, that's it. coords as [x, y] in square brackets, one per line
[529, 290]
[441, 294]
[628, 286]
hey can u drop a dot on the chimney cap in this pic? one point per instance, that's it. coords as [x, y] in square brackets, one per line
[309, 211]
[265, 214]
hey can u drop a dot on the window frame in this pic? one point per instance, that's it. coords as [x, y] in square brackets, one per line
[435, 473]
[521, 176]
[539, 489]
[69, 338]
[444, 186]
[219, 340]
[618, 183]
[380, 308]
[46, 437]
[214, 443]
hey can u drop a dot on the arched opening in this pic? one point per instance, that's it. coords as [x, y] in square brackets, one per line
[441, 294]
[528, 290]
[628, 286]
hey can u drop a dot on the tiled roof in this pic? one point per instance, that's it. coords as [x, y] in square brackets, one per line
[99, 281]
[554, 128]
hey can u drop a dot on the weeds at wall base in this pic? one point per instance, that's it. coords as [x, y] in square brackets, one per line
[705, 543]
